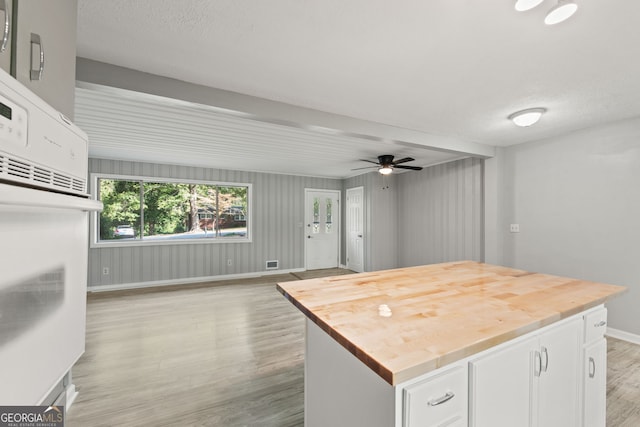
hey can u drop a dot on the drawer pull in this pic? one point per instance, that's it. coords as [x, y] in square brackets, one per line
[439, 401]
[599, 324]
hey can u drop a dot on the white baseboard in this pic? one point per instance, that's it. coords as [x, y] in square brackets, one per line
[71, 396]
[189, 280]
[622, 335]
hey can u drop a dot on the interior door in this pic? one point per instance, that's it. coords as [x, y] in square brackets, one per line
[322, 215]
[355, 227]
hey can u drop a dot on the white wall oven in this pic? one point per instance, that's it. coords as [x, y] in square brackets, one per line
[44, 209]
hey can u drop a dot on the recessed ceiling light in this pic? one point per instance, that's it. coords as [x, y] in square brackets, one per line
[522, 5]
[560, 12]
[527, 117]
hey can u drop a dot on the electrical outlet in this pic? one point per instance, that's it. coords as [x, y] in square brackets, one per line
[514, 228]
[105, 271]
[229, 262]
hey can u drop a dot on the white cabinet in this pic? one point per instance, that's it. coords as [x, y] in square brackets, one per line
[595, 370]
[532, 382]
[558, 376]
[44, 50]
[437, 401]
[499, 385]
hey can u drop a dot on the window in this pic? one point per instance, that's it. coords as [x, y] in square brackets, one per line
[148, 210]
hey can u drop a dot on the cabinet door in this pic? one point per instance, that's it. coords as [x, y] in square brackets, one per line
[5, 34]
[54, 24]
[500, 387]
[595, 384]
[559, 380]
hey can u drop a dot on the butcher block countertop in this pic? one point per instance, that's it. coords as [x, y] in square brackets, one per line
[437, 314]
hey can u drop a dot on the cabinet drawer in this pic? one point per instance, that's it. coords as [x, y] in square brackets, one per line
[437, 401]
[595, 325]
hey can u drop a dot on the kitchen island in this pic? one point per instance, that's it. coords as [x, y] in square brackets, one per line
[446, 344]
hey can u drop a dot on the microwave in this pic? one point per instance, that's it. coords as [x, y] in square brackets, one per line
[39, 147]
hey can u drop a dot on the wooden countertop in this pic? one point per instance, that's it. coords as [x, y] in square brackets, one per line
[440, 313]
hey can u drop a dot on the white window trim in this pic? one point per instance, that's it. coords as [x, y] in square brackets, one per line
[94, 223]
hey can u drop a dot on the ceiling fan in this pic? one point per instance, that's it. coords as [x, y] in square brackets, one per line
[385, 164]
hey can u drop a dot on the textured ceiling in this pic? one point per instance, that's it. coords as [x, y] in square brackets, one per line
[455, 68]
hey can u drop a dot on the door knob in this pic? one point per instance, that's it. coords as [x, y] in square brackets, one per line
[308, 237]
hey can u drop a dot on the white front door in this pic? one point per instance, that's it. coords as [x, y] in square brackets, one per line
[355, 227]
[322, 228]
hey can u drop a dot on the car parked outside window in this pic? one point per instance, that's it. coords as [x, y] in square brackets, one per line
[124, 231]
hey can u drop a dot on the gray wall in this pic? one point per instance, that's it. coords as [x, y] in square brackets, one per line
[277, 209]
[380, 220]
[577, 201]
[434, 215]
[440, 213]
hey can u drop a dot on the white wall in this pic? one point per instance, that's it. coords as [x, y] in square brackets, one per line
[577, 200]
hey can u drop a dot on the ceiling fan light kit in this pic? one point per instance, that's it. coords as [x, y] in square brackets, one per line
[559, 13]
[386, 164]
[528, 117]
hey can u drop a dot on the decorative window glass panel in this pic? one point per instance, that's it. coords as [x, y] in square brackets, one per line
[328, 222]
[316, 215]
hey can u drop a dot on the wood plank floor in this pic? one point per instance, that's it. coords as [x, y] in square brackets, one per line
[623, 384]
[229, 354]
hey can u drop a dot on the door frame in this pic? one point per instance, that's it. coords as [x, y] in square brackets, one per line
[338, 194]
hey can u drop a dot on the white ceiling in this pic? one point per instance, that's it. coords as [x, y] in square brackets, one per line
[131, 126]
[455, 68]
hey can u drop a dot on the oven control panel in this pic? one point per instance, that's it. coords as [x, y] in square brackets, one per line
[13, 123]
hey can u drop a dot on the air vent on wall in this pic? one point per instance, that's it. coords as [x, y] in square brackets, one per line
[272, 265]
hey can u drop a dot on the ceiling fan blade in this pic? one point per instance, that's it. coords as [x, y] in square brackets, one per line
[405, 160]
[366, 167]
[413, 168]
[370, 161]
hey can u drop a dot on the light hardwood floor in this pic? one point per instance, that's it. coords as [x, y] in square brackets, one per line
[623, 384]
[229, 354]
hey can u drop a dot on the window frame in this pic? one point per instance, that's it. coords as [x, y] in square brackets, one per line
[95, 242]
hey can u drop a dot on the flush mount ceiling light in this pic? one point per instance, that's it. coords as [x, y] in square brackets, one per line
[527, 117]
[385, 170]
[560, 12]
[523, 5]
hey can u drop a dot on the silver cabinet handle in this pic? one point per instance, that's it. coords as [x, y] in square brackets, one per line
[592, 364]
[599, 324]
[439, 401]
[537, 363]
[545, 366]
[37, 73]
[4, 6]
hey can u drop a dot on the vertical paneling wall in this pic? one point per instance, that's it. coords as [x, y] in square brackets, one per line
[380, 220]
[440, 213]
[277, 211]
